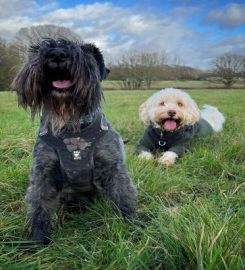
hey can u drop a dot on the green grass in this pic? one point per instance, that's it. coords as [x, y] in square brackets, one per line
[193, 211]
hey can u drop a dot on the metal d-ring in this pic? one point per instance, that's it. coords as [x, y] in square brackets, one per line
[161, 143]
[103, 124]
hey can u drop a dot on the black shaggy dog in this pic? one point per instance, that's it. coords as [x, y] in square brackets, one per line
[77, 153]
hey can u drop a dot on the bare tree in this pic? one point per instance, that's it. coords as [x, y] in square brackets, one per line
[137, 70]
[176, 67]
[228, 67]
[243, 67]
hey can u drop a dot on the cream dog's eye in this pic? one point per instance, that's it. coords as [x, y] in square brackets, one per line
[162, 103]
[180, 104]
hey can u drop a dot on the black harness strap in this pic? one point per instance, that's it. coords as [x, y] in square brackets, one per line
[164, 141]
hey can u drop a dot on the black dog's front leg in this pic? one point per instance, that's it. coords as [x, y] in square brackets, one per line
[43, 196]
[40, 227]
[41, 203]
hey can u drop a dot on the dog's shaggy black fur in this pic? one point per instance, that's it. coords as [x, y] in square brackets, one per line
[61, 80]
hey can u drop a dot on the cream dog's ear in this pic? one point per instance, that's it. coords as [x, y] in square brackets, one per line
[143, 113]
[194, 113]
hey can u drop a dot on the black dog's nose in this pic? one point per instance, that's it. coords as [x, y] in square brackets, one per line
[57, 55]
[171, 113]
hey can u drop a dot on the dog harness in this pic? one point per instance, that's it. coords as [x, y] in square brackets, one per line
[75, 151]
[155, 139]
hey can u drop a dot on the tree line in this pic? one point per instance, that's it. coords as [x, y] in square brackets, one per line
[135, 70]
[9, 63]
[139, 70]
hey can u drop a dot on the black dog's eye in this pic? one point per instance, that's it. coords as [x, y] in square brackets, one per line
[34, 48]
[62, 42]
[47, 43]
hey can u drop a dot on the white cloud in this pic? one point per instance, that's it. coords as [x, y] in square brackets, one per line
[117, 30]
[16, 7]
[9, 26]
[232, 15]
[16, 14]
[84, 12]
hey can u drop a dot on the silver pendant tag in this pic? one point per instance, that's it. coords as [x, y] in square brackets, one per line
[161, 143]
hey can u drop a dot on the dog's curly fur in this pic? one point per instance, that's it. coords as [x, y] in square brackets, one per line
[171, 110]
[156, 108]
[61, 80]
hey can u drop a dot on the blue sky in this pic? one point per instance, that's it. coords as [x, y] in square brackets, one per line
[189, 32]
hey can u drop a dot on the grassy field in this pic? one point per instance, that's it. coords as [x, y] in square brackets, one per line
[193, 212]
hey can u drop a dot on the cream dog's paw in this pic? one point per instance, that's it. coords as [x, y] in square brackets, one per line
[168, 158]
[146, 155]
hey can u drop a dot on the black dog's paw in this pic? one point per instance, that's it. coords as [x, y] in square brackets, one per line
[40, 237]
[134, 221]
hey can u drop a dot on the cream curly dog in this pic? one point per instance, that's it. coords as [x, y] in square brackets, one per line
[172, 118]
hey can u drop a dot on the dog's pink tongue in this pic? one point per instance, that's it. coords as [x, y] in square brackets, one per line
[62, 84]
[170, 125]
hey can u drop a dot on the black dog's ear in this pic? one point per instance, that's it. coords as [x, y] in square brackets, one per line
[107, 71]
[27, 86]
[91, 48]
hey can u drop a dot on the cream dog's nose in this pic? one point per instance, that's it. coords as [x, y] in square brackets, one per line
[171, 113]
